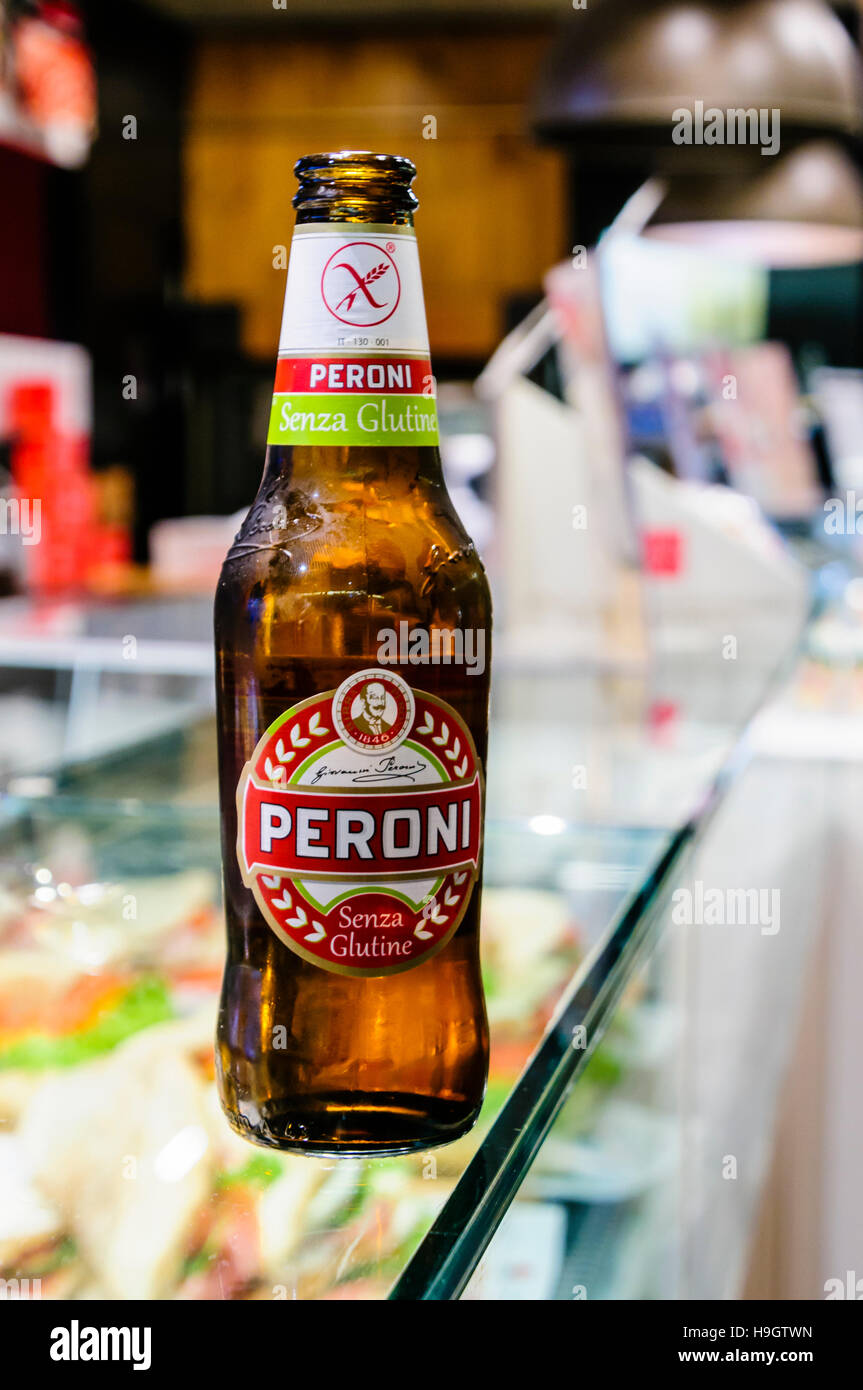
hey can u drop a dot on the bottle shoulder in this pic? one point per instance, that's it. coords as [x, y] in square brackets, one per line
[319, 546]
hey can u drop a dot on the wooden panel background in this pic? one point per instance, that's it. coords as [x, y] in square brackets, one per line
[492, 203]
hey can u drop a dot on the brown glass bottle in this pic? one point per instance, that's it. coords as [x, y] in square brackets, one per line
[343, 541]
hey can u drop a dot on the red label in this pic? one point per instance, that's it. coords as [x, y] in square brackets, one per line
[393, 376]
[304, 831]
[360, 825]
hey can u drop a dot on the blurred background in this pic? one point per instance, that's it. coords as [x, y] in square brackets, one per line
[641, 236]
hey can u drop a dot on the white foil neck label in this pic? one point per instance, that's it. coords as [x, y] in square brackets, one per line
[351, 287]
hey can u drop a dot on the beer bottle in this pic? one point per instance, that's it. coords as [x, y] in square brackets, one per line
[352, 630]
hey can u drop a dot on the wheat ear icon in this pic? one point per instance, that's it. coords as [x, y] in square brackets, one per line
[362, 284]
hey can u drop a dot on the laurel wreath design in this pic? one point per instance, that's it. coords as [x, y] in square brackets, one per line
[450, 751]
[432, 912]
[285, 755]
[301, 917]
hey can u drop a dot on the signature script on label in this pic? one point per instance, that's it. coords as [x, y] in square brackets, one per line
[387, 769]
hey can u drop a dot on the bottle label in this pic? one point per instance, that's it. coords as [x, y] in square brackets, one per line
[354, 363]
[359, 825]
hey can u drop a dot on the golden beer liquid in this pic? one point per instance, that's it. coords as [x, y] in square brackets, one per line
[340, 543]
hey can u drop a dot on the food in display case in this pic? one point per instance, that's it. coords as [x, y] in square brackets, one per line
[122, 1180]
[126, 1182]
[151, 1197]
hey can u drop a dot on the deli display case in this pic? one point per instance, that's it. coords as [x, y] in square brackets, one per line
[620, 1036]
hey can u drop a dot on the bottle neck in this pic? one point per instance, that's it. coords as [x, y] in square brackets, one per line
[366, 211]
[357, 187]
[354, 376]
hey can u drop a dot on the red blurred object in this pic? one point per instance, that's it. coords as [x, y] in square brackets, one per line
[63, 14]
[663, 552]
[55, 78]
[661, 719]
[51, 471]
[31, 405]
[112, 545]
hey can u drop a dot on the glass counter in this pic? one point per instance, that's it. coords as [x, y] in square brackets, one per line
[120, 1178]
[82, 679]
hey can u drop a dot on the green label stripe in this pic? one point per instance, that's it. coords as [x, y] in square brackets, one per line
[346, 418]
